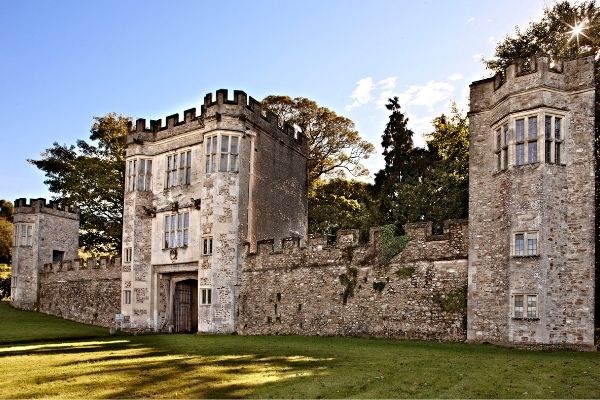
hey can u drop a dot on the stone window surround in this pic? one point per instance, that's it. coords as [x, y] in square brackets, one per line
[176, 235]
[526, 236]
[214, 153]
[127, 256]
[510, 148]
[20, 239]
[135, 178]
[178, 173]
[525, 308]
[207, 245]
[127, 296]
[205, 295]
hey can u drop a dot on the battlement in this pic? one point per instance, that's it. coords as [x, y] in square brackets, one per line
[40, 206]
[455, 235]
[532, 73]
[242, 106]
[82, 264]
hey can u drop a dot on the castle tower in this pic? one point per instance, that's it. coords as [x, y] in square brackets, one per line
[196, 192]
[42, 234]
[531, 205]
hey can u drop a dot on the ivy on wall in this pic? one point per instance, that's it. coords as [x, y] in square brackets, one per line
[390, 245]
[453, 301]
[348, 280]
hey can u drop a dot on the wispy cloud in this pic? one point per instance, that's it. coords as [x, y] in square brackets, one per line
[386, 87]
[455, 77]
[427, 95]
[470, 20]
[362, 93]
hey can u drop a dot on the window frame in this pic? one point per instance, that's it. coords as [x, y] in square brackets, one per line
[218, 158]
[525, 311]
[127, 296]
[527, 236]
[23, 235]
[176, 230]
[128, 254]
[135, 179]
[537, 136]
[205, 295]
[178, 168]
[207, 245]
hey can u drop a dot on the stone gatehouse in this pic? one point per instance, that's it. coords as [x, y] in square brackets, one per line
[215, 231]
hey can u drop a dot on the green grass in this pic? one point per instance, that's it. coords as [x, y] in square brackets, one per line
[184, 366]
[17, 326]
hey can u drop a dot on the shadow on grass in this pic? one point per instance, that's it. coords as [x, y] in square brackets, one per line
[126, 369]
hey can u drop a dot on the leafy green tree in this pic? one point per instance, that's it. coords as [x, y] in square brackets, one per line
[338, 203]
[6, 231]
[91, 175]
[419, 184]
[566, 31]
[335, 145]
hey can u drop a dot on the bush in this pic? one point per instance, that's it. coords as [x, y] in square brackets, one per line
[4, 287]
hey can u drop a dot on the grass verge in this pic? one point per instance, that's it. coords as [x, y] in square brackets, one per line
[225, 366]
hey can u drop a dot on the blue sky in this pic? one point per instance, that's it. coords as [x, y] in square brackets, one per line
[63, 62]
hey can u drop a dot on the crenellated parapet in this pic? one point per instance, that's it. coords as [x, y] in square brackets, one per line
[35, 206]
[528, 74]
[83, 264]
[247, 110]
[452, 243]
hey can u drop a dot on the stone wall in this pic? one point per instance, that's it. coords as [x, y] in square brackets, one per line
[554, 200]
[421, 294]
[84, 291]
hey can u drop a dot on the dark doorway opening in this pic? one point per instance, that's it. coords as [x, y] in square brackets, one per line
[185, 306]
[57, 256]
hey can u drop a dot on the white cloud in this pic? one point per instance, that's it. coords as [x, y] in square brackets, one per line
[455, 77]
[470, 20]
[427, 95]
[492, 40]
[362, 93]
[386, 87]
[477, 57]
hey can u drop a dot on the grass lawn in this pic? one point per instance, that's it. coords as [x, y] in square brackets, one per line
[183, 366]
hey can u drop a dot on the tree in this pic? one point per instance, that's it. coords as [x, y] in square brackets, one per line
[565, 31]
[6, 231]
[429, 183]
[91, 176]
[335, 145]
[339, 203]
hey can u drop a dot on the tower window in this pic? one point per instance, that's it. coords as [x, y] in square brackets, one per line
[177, 230]
[138, 175]
[554, 137]
[206, 296]
[525, 306]
[525, 244]
[179, 169]
[222, 153]
[207, 246]
[22, 235]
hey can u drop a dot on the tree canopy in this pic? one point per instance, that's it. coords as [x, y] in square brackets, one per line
[429, 183]
[566, 30]
[91, 175]
[335, 144]
[6, 231]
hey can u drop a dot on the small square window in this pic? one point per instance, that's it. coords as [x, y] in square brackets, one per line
[205, 296]
[525, 244]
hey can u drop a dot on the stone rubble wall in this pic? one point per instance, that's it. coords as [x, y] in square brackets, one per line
[421, 294]
[83, 291]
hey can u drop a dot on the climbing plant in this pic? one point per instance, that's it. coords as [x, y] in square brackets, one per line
[390, 245]
[348, 279]
[453, 301]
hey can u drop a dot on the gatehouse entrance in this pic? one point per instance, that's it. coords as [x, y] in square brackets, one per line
[185, 306]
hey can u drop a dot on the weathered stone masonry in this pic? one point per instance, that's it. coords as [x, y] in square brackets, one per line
[87, 291]
[543, 294]
[298, 290]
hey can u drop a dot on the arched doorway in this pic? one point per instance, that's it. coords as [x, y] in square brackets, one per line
[185, 306]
